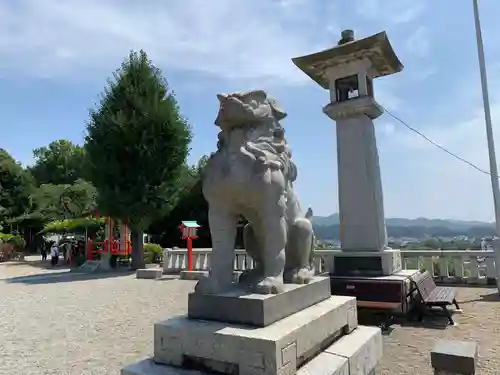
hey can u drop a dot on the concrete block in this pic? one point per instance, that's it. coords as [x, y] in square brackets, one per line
[193, 275]
[278, 349]
[362, 348]
[259, 310]
[325, 364]
[454, 357]
[149, 273]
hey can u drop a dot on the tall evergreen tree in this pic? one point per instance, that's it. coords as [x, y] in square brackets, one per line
[136, 147]
[61, 162]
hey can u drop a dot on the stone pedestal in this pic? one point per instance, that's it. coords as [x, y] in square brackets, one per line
[258, 310]
[298, 336]
[149, 273]
[361, 203]
[363, 232]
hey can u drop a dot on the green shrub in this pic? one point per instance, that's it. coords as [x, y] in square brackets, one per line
[14, 239]
[153, 253]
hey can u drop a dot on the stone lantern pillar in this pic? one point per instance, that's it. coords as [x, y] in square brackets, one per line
[347, 71]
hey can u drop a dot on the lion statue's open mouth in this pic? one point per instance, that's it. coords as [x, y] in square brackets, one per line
[252, 174]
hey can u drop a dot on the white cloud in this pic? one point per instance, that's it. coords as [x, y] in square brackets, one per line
[418, 43]
[437, 183]
[390, 12]
[244, 41]
[386, 129]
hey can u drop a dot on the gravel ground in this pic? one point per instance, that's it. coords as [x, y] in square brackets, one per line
[60, 323]
[53, 322]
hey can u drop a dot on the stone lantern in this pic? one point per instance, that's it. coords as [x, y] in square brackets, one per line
[347, 71]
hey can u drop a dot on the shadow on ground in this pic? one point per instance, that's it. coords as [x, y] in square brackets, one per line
[431, 320]
[41, 264]
[65, 277]
[493, 297]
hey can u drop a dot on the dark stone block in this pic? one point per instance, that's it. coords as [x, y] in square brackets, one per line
[456, 357]
[358, 266]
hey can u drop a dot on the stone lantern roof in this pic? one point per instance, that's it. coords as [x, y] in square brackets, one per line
[376, 48]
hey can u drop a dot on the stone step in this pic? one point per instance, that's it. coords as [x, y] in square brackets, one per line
[276, 349]
[362, 348]
[354, 354]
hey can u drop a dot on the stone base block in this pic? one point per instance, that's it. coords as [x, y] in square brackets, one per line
[149, 273]
[278, 349]
[362, 349]
[259, 310]
[355, 354]
[193, 275]
[365, 263]
[454, 357]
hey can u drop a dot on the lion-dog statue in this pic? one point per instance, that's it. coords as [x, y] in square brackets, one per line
[252, 174]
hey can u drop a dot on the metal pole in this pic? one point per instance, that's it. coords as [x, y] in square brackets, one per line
[489, 136]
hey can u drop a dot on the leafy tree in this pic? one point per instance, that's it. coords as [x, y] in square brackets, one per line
[136, 148]
[66, 201]
[190, 205]
[79, 225]
[15, 187]
[61, 162]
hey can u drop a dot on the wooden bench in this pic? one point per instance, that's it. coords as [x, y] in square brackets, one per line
[434, 296]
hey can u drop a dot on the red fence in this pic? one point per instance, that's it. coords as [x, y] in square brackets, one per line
[104, 247]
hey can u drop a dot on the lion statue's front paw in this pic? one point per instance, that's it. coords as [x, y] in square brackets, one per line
[251, 276]
[300, 276]
[208, 285]
[269, 285]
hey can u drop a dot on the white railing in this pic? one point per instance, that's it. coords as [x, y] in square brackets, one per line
[448, 266]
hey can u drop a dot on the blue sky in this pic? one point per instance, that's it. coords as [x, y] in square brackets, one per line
[55, 56]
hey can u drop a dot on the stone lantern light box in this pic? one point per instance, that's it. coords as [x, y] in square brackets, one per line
[348, 69]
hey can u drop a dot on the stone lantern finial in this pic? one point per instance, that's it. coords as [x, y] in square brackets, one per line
[346, 36]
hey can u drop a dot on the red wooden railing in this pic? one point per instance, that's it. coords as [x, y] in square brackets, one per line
[104, 247]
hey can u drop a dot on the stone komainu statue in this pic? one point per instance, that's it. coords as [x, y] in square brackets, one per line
[252, 174]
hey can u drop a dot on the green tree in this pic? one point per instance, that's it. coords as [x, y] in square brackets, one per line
[61, 162]
[16, 186]
[190, 204]
[136, 148]
[64, 201]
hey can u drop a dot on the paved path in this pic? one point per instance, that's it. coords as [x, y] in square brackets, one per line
[53, 322]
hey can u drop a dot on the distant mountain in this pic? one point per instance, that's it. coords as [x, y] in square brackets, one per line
[453, 225]
[324, 221]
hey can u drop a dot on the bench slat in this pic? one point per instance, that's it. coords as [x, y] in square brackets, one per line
[442, 294]
[431, 293]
